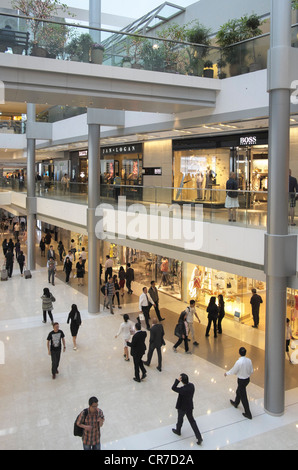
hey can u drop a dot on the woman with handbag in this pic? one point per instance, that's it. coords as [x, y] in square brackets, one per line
[181, 331]
[127, 329]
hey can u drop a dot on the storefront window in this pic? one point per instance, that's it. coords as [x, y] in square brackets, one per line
[197, 172]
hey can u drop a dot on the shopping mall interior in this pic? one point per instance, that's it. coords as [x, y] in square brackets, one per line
[119, 139]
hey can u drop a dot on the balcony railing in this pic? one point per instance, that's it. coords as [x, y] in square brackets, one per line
[252, 211]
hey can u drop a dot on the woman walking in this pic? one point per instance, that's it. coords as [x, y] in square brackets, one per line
[75, 320]
[221, 312]
[80, 272]
[117, 290]
[47, 304]
[126, 330]
[182, 332]
[212, 310]
[121, 275]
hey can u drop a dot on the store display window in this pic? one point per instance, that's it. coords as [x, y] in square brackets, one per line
[206, 282]
[199, 173]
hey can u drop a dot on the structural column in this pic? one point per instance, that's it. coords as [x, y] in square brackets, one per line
[280, 248]
[95, 19]
[93, 201]
[31, 199]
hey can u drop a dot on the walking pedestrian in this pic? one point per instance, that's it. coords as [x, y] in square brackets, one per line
[74, 317]
[138, 348]
[221, 313]
[243, 369]
[185, 406]
[80, 272]
[54, 340]
[130, 277]
[117, 290]
[191, 312]
[51, 265]
[212, 310]
[255, 301]
[108, 268]
[9, 261]
[126, 330]
[109, 293]
[47, 304]
[121, 275]
[91, 420]
[144, 305]
[181, 331]
[153, 292]
[21, 261]
[67, 268]
[42, 246]
[61, 250]
[289, 336]
[156, 342]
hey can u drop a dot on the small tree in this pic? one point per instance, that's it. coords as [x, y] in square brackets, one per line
[38, 9]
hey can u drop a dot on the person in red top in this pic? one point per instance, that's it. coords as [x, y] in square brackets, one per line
[91, 424]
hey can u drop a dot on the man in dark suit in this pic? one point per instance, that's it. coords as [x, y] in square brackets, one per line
[185, 406]
[138, 348]
[156, 341]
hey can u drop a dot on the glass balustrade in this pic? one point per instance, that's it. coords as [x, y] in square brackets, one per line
[252, 210]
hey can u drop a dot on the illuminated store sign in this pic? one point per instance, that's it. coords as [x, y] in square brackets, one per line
[122, 149]
[250, 140]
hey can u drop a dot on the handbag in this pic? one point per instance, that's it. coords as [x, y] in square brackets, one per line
[178, 330]
[141, 317]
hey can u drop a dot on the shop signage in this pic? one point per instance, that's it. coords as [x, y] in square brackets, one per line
[83, 153]
[248, 140]
[122, 149]
[152, 171]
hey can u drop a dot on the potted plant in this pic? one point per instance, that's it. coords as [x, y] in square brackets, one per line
[233, 32]
[79, 48]
[220, 66]
[153, 56]
[97, 51]
[208, 69]
[53, 37]
[38, 10]
[126, 61]
[199, 35]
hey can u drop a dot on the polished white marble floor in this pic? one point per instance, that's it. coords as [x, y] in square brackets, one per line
[37, 412]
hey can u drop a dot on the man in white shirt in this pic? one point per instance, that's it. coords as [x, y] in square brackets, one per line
[108, 268]
[243, 369]
[144, 305]
[191, 311]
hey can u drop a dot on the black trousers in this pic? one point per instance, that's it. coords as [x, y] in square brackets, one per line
[192, 422]
[157, 311]
[150, 354]
[241, 395]
[45, 316]
[145, 311]
[210, 321]
[55, 355]
[138, 364]
[180, 340]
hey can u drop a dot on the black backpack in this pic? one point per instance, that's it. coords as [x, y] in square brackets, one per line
[77, 430]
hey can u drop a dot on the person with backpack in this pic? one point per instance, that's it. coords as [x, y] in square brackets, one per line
[181, 331]
[88, 424]
[232, 202]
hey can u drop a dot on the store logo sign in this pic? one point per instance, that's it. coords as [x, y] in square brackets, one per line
[173, 225]
[250, 140]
